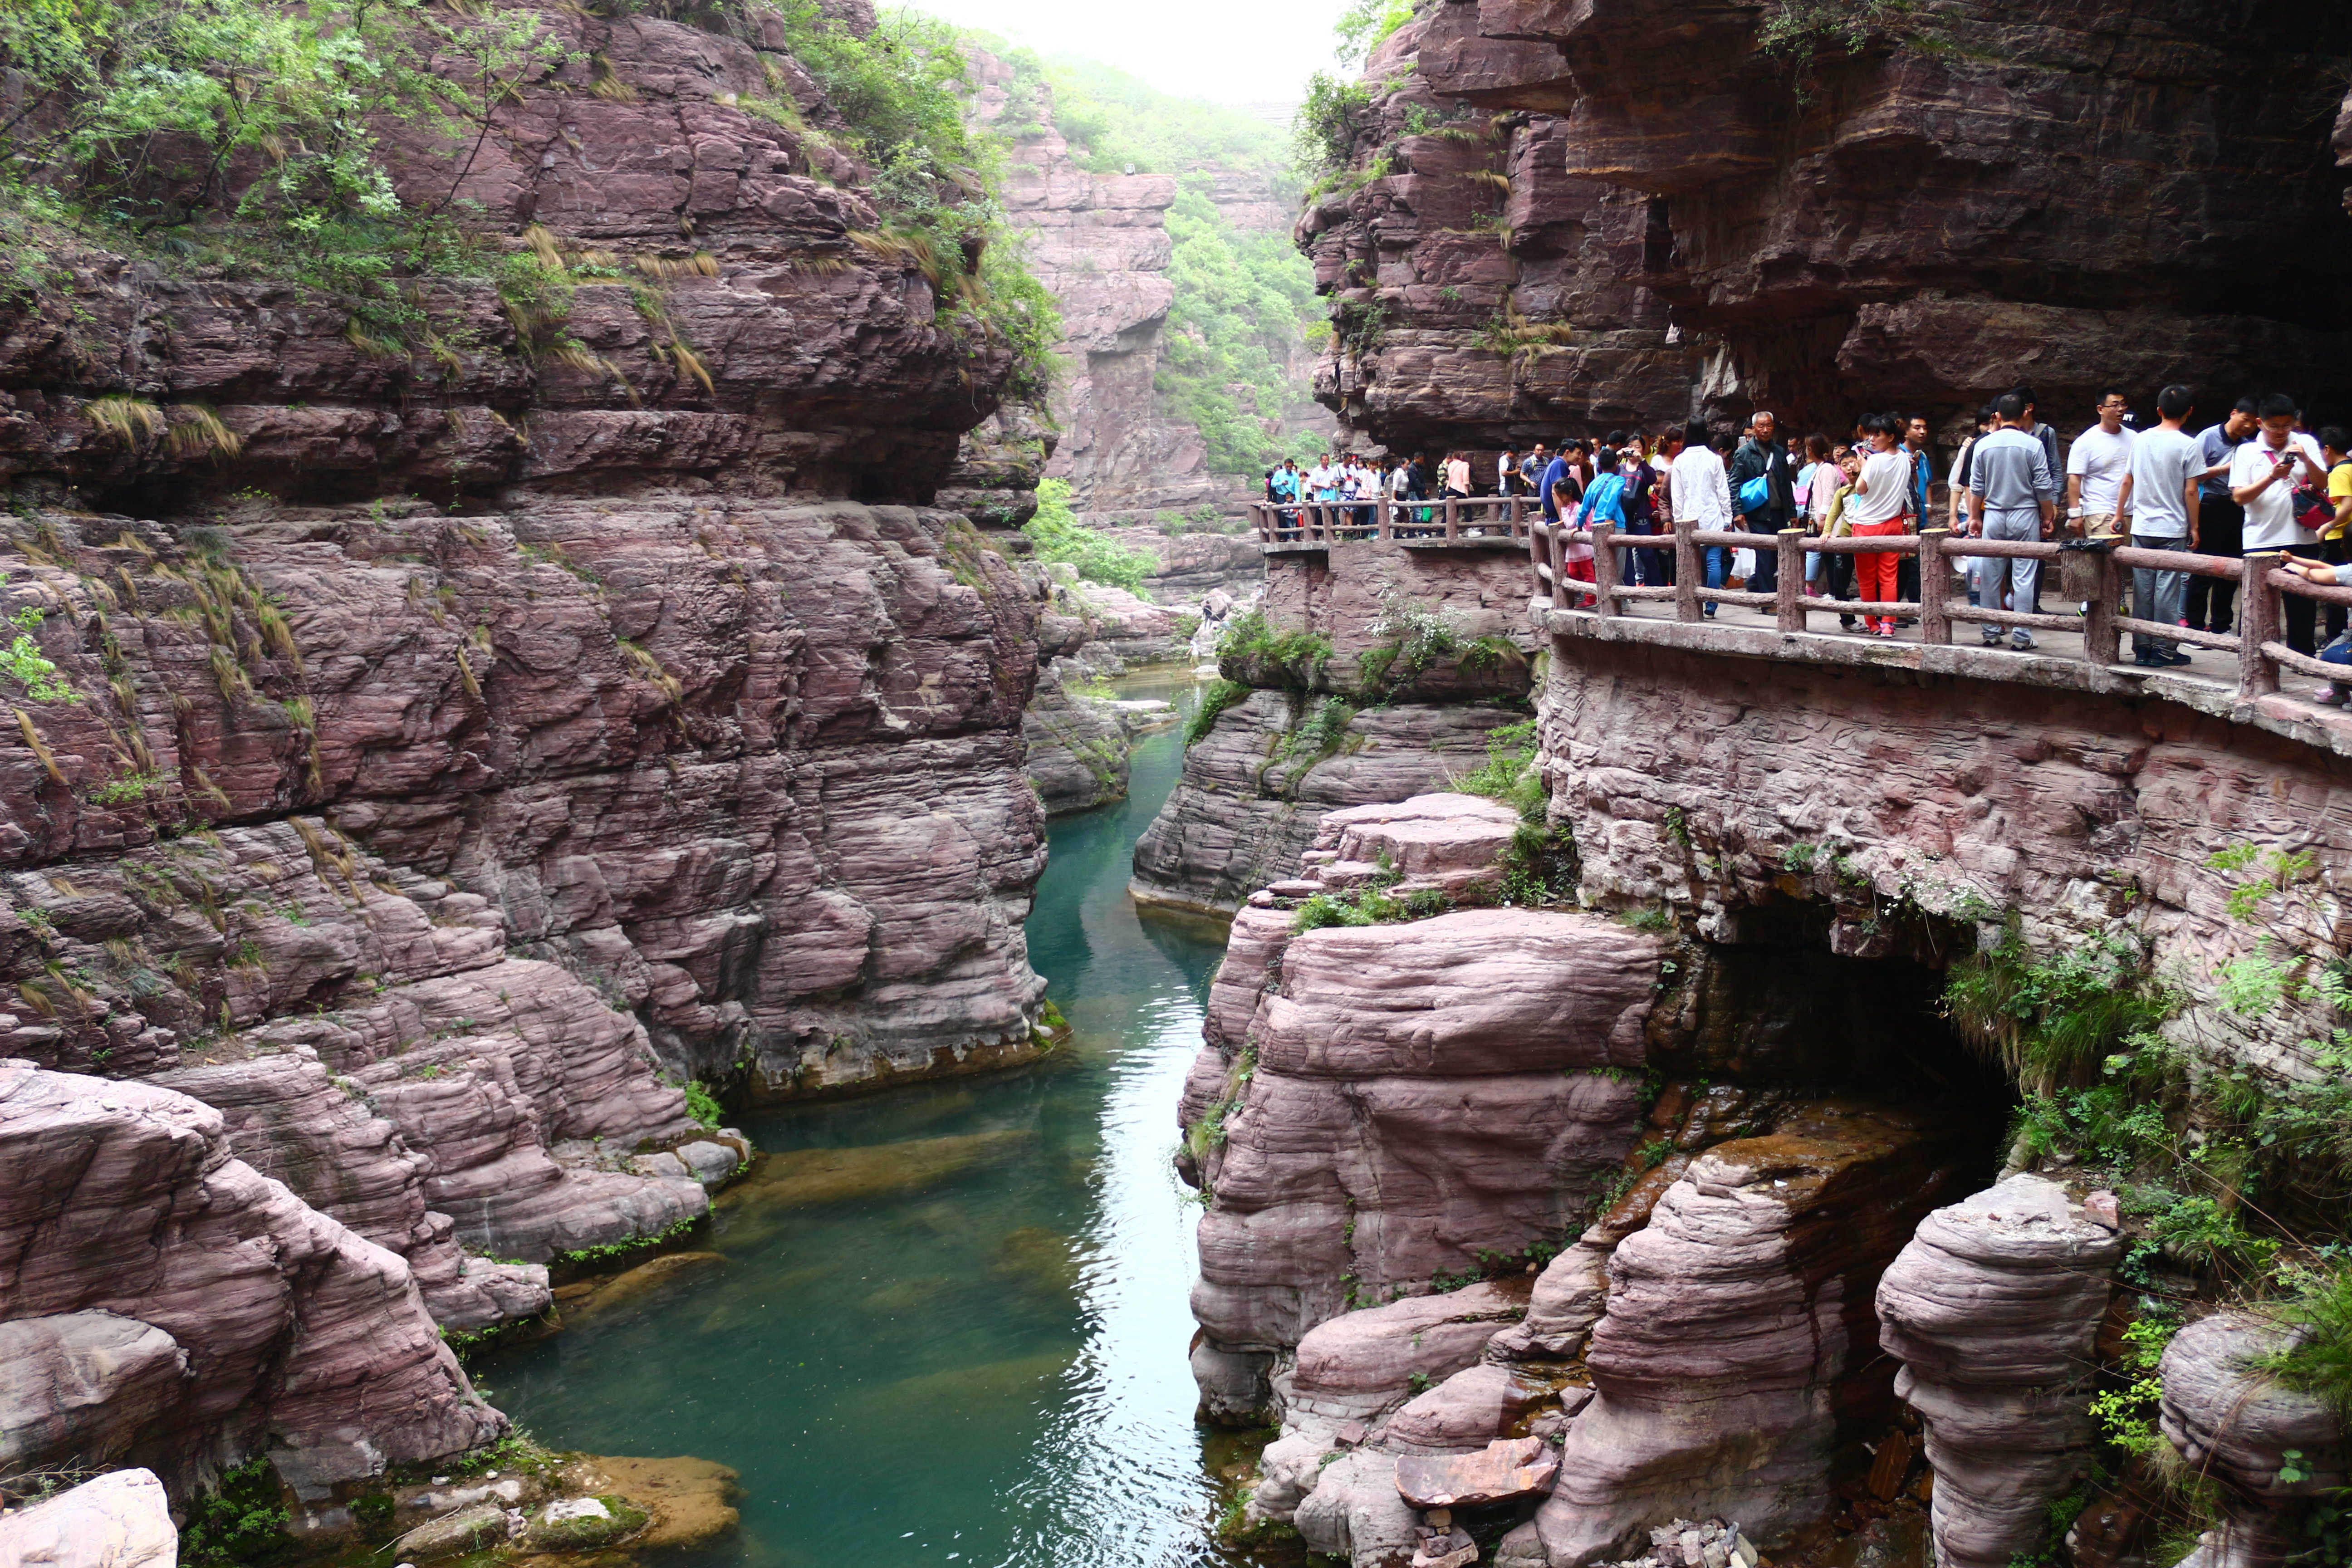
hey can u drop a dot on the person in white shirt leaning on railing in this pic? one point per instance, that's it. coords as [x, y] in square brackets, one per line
[2264, 474]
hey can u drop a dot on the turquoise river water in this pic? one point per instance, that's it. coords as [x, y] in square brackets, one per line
[961, 1337]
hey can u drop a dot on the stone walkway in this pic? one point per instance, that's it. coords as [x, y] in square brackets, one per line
[2215, 667]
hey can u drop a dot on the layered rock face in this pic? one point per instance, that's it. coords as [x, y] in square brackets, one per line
[1100, 243]
[2237, 1423]
[1961, 797]
[830, 370]
[1737, 1322]
[428, 844]
[1994, 1309]
[1484, 295]
[1379, 710]
[1986, 195]
[1384, 1103]
[159, 1289]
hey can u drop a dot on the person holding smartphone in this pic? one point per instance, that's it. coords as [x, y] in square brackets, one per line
[2263, 476]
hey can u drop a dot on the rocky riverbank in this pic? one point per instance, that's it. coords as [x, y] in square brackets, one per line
[429, 753]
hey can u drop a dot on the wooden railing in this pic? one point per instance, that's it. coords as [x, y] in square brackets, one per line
[1319, 524]
[2100, 580]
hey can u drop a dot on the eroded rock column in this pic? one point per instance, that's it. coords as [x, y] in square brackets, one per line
[1994, 1309]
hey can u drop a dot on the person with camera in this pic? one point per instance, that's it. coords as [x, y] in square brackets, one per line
[2264, 474]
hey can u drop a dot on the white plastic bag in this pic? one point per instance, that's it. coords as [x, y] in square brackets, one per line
[1743, 565]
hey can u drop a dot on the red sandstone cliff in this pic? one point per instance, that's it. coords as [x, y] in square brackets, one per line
[464, 742]
[1978, 194]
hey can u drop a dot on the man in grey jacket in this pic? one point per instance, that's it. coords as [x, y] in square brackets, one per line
[2012, 494]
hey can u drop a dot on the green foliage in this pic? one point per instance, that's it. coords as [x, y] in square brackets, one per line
[2319, 1362]
[1418, 637]
[1059, 537]
[1802, 30]
[1366, 24]
[2051, 1021]
[1209, 1132]
[241, 1524]
[22, 662]
[374, 1510]
[1798, 858]
[703, 1106]
[1510, 774]
[1241, 306]
[1323, 129]
[2127, 1415]
[1295, 660]
[621, 1248]
[246, 135]
[1215, 697]
[1538, 865]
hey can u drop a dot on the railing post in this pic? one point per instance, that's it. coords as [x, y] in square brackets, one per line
[1518, 521]
[1452, 518]
[1688, 574]
[1934, 586]
[1604, 568]
[1539, 558]
[1788, 585]
[2258, 623]
[2102, 639]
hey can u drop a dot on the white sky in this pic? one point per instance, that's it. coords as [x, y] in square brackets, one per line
[1228, 51]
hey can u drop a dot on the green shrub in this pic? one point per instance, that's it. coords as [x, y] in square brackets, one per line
[703, 1106]
[1267, 658]
[2053, 1021]
[1060, 538]
[1323, 128]
[2319, 1362]
[1510, 774]
[1215, 697]
[22, 662]
[241, 1524]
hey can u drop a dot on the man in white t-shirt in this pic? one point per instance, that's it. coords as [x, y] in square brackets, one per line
[1698, 490]
[1319, 481]
[2097, 466]
[2162, 490]
[2263, 476]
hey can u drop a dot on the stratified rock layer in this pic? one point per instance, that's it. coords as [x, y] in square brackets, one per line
[1405, 1097]
[1994, 1309]
[1736, 1320]
[1483, 296]
[2038, 191]
[125, 1217]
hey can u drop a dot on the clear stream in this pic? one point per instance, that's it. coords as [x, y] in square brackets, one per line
[962, 1337]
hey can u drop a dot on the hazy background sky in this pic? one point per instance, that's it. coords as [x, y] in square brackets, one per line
[1228, 51]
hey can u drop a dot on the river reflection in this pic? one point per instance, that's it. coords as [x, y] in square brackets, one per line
[946, 1324]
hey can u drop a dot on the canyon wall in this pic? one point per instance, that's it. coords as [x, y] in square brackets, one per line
[425, 751]
[1100, 244]
[1969, 198]
[1372, 672]
[1482, 296]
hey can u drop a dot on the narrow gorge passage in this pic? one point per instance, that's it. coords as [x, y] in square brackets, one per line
[949, 1320]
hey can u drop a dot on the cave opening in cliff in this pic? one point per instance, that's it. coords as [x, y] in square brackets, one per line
[1789, 996]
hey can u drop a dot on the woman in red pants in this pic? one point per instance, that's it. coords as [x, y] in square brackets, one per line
[1877, 508]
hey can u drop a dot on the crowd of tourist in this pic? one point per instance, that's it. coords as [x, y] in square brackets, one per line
[2254, 479]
